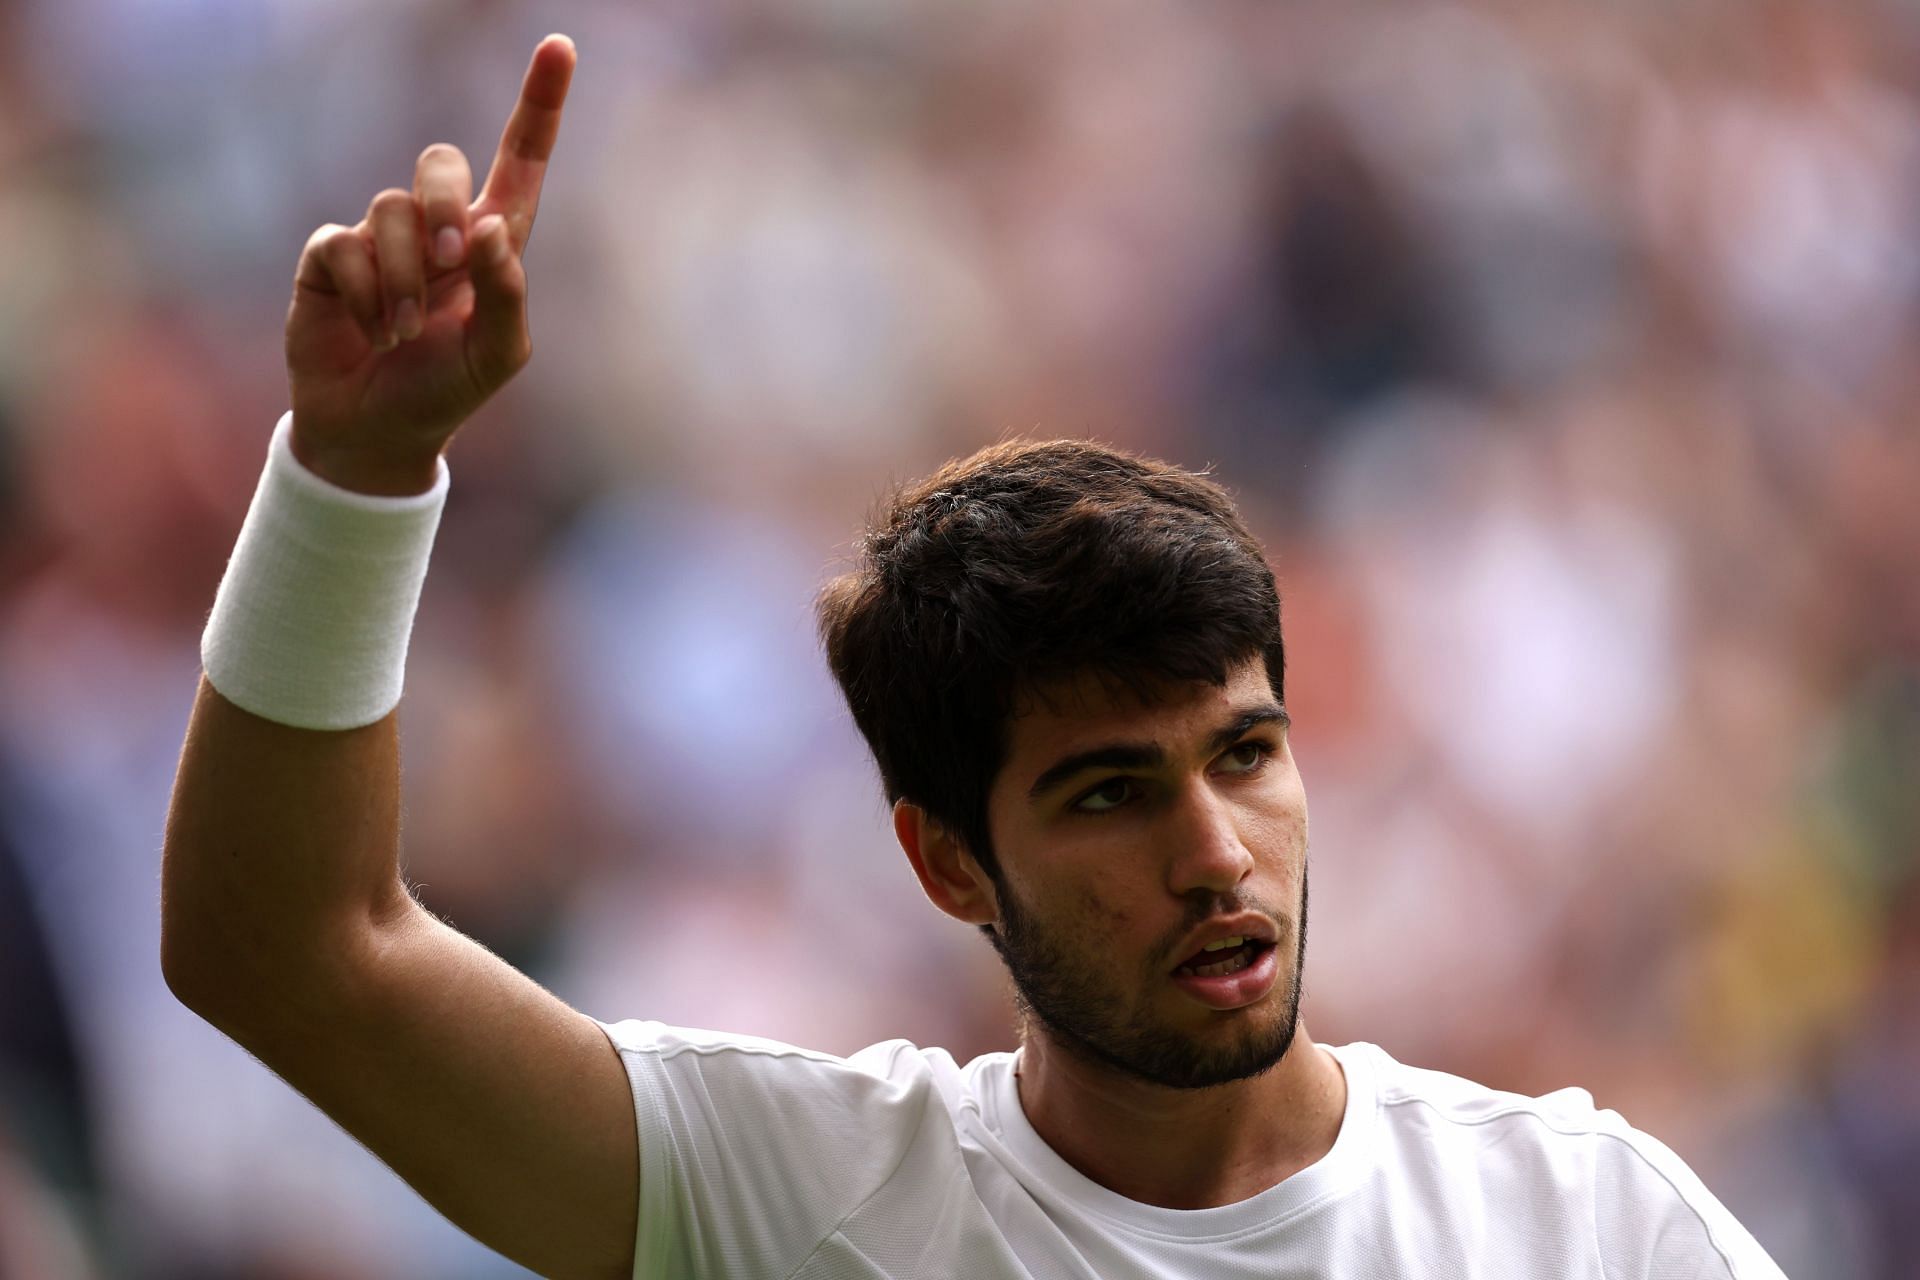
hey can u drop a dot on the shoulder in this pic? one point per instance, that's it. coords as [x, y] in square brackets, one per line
[753, 1150]
[898, 1062]
[1450, 1107]
[1420, 1097]
[1558, 1157]
[800, 1088]
[1423, 1108]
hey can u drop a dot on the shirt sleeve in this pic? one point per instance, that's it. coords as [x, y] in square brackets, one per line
[1658, 1220]
[752, 1151]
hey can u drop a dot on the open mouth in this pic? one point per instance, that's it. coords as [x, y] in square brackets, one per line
[1217, 964]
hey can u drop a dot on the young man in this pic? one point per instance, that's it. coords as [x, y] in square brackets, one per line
[1068, 664]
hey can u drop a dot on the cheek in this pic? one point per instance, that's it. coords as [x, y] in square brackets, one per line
[1074, 903]
[1277, 831]
[1286, 806]
[1089, 916]
[1101, 915]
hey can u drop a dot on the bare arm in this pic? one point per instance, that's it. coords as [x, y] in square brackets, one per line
[285, 919]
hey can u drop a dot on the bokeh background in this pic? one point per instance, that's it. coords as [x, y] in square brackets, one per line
[1564, 355]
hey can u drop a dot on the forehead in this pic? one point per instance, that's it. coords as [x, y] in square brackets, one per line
[1066, 716]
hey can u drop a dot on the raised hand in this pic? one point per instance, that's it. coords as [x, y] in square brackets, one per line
[404, 323]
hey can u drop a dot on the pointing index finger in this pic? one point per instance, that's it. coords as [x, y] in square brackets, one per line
[513, 184]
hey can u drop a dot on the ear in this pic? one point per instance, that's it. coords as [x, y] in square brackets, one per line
[952, 879]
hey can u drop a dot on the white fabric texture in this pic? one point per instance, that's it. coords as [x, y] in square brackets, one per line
[311, 622]
[759, 1159]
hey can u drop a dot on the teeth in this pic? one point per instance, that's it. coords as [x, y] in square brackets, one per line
[1233, 965]
[1223, 944]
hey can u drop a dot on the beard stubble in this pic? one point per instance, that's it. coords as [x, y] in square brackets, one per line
[1072, 996]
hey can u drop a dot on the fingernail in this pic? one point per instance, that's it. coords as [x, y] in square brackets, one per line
[498, 246]
[446, 247]
[406, 319]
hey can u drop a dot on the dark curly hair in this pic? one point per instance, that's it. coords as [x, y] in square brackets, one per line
[1026, 564]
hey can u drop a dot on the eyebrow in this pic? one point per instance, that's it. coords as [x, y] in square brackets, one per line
[1149, 755]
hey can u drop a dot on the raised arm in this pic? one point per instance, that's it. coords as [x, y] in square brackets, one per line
[285, 920]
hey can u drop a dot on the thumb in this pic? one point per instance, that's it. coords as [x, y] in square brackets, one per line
[497, 341]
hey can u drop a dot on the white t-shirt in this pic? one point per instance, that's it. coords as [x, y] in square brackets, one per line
[759, 1159]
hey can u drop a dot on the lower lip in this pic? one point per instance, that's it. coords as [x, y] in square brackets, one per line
[1233, 990]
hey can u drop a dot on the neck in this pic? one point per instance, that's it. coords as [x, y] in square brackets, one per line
[1183, 1148]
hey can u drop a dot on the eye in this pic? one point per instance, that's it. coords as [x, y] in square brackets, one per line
[1246, 757]
[1106, 797]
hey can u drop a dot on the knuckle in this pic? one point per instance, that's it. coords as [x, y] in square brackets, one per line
[440, 152]
[342, 248]
[392, 201]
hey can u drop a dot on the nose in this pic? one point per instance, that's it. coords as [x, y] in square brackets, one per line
[1206, 849]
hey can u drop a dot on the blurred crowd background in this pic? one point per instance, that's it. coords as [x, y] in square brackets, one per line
[1565, 356]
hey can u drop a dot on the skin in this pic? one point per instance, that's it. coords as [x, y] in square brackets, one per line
[285, 920]
[1134, 1082]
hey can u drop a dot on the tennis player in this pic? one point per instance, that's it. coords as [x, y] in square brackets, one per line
[1068, 664]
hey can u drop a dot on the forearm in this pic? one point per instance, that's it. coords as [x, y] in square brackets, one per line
[281, 848]
[282, 841]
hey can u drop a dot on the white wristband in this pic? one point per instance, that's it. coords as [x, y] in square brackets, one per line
[311, 622]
